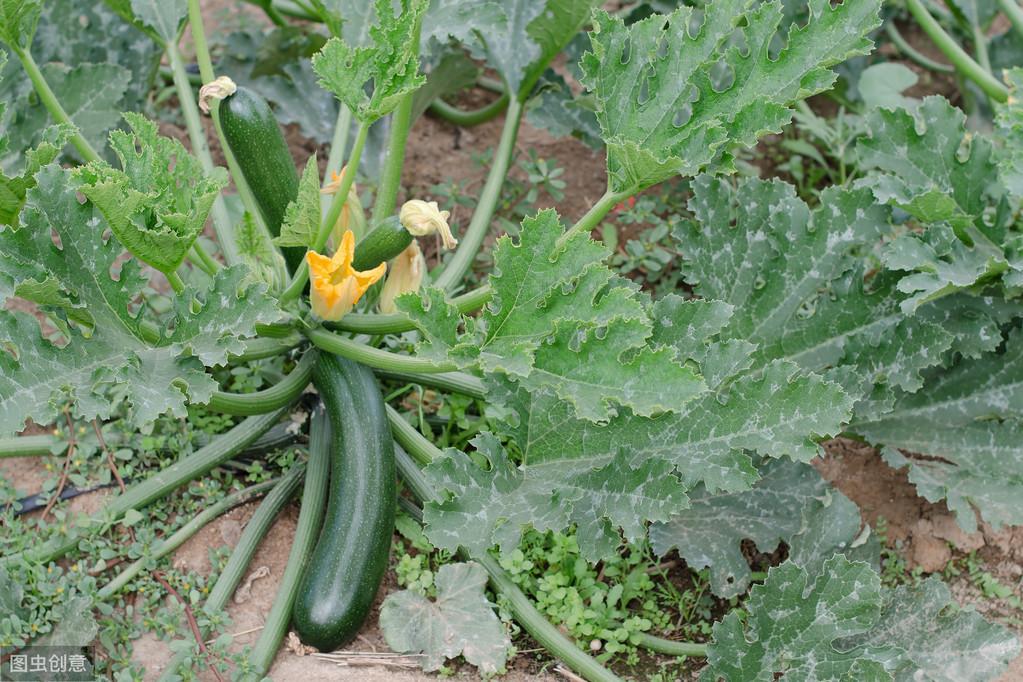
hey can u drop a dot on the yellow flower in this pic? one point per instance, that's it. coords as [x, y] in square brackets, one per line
[406, 275]
[421, 218]
[351, 210]
[335, 286]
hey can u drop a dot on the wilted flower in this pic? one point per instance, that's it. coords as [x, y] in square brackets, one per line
[216, 89]
[421, 218]
[335, 287]
[351, 211]
[406, 275]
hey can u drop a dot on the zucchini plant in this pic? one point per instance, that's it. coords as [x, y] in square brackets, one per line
[884, 308]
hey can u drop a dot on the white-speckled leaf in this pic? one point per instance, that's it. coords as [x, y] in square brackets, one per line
[664, 106]
[113, 363]
[461, 621]
[785, 502]
[1010, 126]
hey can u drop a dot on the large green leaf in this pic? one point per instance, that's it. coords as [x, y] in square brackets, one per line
[839, 623]
[157, 204]
[782, 505]
[163, 16]
[18, 21]
[388, 65]
[110, 356]
[662, 104]
[519, 38]
[1010, 125]
[560, 318]
[974, 458]
[459, 622]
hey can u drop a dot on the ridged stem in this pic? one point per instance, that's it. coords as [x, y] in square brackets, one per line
[277, 396]
[374, 357]
[474, 117]
[395, 323]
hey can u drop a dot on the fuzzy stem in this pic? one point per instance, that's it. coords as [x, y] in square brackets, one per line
[190, 111]
[52, 104]
[956, 54]
[339, 143]
[471, 241]
[1014, 13]
[892, 31]
[374, 357]
[468, 119]
[395, 323]
[261, 348]
[280, 394]
[453, 382]
[594, 215]
[27, 446]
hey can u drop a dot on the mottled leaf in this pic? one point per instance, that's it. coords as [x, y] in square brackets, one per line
[302, 217]
[672, 99]
[461, 621]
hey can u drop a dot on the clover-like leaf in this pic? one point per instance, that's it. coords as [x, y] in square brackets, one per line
[388, 65]
[158, 203]
[461, 621]
[109, 357]
[664, 106]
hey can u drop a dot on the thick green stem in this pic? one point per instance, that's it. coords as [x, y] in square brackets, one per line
[670, 647]
[175, 281]
[205, 261]
[241, 557]
[259, 348]
[531, 620]
[52, 104]
[374, 357]
[314, 501]
[28, 446]
[395, 323]
[421, 449]
[200, 148]
[168, 545]
[223, 448]
[277, 396]
[956, 54]
[471, 241]
[594, 215]
[298, 282]
[980, 47]
[911, 53]
[468, 119]
[1014, 13]
[453, 382]
[339, 142]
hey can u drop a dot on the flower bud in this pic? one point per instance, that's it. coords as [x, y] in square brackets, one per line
[421, 218]
[406, 275]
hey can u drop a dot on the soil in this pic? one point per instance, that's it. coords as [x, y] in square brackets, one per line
[925, 534]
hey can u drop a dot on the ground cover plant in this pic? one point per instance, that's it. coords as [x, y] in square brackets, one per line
[593, 437]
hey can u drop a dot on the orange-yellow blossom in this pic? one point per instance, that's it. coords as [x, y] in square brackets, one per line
[335, 287]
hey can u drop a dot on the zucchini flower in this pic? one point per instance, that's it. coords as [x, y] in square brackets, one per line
[352, 216]
[406, 275]
[421, 218]
[335, 287]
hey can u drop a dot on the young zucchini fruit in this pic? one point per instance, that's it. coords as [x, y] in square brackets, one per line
[345, 569]
[382, 243]
[255, 139]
